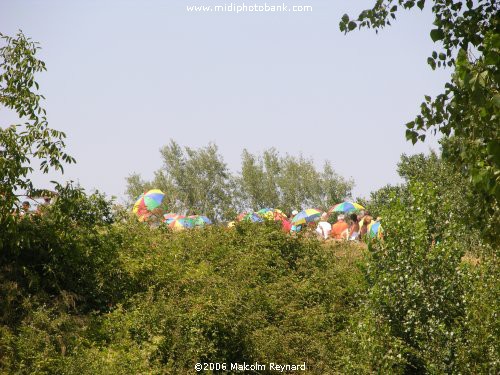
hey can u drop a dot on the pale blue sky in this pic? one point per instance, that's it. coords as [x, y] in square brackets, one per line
[125, 77]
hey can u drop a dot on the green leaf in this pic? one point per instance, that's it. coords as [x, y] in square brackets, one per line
[437, 34]
[496, 100]
[494, 150]
[431, 62]
[411, 135]
[492, 58]
[351, 26]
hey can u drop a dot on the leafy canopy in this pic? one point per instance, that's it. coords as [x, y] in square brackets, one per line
[197, 181]
[469, 107]
[33, 140]
[289, 182]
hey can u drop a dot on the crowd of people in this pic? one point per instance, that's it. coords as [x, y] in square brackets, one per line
[353, 227]
[26, 209]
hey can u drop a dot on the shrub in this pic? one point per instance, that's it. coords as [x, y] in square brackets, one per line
[419, 284]
[217, 295]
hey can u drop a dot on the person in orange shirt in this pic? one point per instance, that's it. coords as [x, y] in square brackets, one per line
[339, 228]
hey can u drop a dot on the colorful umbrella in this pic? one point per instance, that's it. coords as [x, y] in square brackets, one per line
[346, 207]
[181, 224]
[306, 216]
[168, 218]
[200, 220]
[266, 213]
[147, 202]
[249, 216]
[242, 215]
[272, 214]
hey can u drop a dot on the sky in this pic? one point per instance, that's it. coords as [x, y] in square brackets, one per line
[125, 77]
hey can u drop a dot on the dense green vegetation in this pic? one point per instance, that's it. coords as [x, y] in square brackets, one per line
[138, 300]
[83, 295]
[86, 289]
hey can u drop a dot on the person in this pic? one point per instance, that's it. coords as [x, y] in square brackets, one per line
[286, 225]
[354, 228]
[367, 220]
[324, 227]
[25, 209]
[361, 221]
[339, 228]
[294, 228]
[375, 230]
[42, 206]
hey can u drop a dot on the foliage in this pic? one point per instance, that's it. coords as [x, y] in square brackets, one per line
[251, 293]
[478, 352]
[289, 182]
[23, 144]
[60, 266]
[417, 279]
[247, 294]
[62, 253]
[86, 290]
[197, 182]
[421, 283]
[461, 202]
[425, 275]
[369, 347]
[127, 298]
[477, 219]
[469, 108]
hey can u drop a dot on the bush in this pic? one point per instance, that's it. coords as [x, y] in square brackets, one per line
[84, 293]
[218, 295]
[420, 285]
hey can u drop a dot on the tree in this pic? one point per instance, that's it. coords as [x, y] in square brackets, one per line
[450, 185]
[416, 280]
[422, 283]
[289, 182]
[258, 179]
[195, 181]
[199, 182]
[21, 145]
[469, 107]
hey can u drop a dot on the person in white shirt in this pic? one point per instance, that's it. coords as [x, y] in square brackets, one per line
[324, 227]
